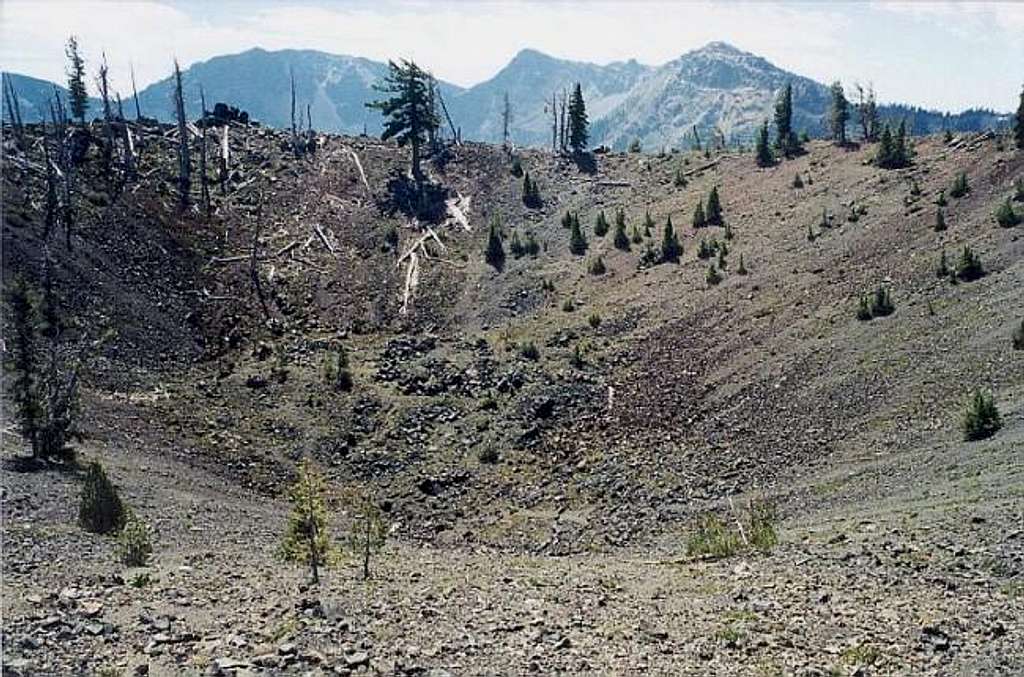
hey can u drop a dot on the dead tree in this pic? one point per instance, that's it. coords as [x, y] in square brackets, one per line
[310, 140]
[455, 133]
[52, 201]
[14, 111]
[254, 255]
[65, 167]
[295, 134]
[184, 158]
[432, 136]
[563, 134]
[223, 158]
[554, 124]
[506, 119]
[128, 145]
[203, 187]
[135, 95]
[103, 85]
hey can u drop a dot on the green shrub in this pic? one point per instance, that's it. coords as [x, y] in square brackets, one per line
[711, 537]
[488, 454]
[915, 189]
[306, 538]
[741, 269]
[940, 221]
[495, 252]
[942, 270]
[635, 237]
[798, 182]
[577, 243]
[1018, 190]
[969, 267]
[648, 224]
[960, 187]
[714, 210]
[981, 420]
[100, 509]
[621, 240]
[679, 181]
[864, 309]
[635, 146]
[517, 168]
[576, 359]
[810, 233]
[1005, 216]
[597, 267]
[882, 304]
[528, 351]
[670, 247]
[699, 219]
[600, 224]
[336, 370]
[567, 219]
[133, 543]
[568, 306]
[594, 320]
[941, 199]
[712, 277]
[531, 192]
[761, 519]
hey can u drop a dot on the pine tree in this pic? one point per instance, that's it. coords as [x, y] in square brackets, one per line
[306, 539]
[648, 223]
[577, 243]
[23, 360]
[840, 113]
[714, 210]
[884, 156]
[867, 113]
[940, 220]
[78, 97]
[764, 151]
[786, 140]
[670, 249]
[621, 241]
[600, 224]
[495, 253]
[410, 116]
[577, 121]
[369, 531]
[1018, 126]
[699, 220]
[960, 186]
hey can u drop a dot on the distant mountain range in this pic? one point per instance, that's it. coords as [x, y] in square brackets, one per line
[716, 88]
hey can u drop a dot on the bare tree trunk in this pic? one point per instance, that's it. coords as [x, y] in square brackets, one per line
[366, 546]
[14, 111]
[554, 124]
[506, 119]
[224, 158]
[455, 134]
[310, 140]
[203, 187]
[135, 95]
[314, 551]
[103, 84]
[64, 163]
[254, 273]
[562, 136]
[128, 150]
[184, 158]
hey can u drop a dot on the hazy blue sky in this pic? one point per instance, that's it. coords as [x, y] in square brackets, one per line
[934, 54]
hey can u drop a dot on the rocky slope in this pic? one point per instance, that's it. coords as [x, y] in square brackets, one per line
[539, 507]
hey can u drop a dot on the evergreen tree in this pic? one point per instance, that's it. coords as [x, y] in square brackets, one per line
[78, 97]
[577, 121]
[867, 113]
[670, 248]
[410, 115]
[577, 243]
[306, 539]
[714, 210]
[764, 151]
[601, 224]
[960, 186]
[699, 220]
[23, 360]
[495, 253]
[648, 223]
[940, 220]
[531, 192]
[840, 113]
[884, 156]
[515, 245]
[621, 240]
[567, 220]
[786, 140]
[1018, 125]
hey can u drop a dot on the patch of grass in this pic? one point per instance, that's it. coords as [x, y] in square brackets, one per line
[717, 538]
[711, 537]
[860, 654]
[528, 350]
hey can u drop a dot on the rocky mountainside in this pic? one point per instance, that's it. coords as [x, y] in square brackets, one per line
[545, 435]
[716, 87]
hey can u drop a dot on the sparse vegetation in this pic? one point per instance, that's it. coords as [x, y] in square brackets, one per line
[969, 267]
[531, 192]
[600, 224]
[879, 304]
[528, 351]
[982, 419]
[960, 186]
[741, 269]
[1018, 337]
[670, 247]
[495, 252]
[306, 538]
[133, 543]
[594, 320]
[712, 276]
[797, 181]
[714, 537]
[577, 243]
[1006, 216]
[621, 241]
[597, 267]
[369, 530]
[699, 219]
[714, 210]
[940, 221]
